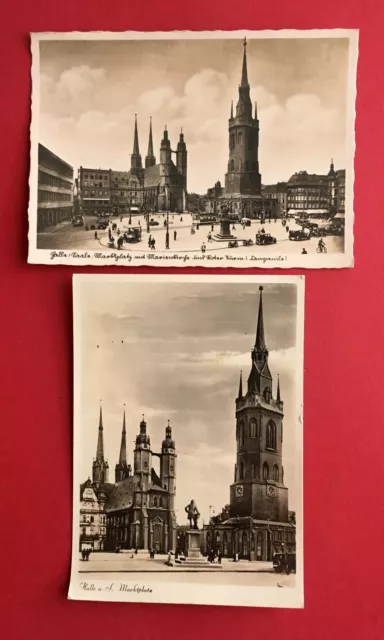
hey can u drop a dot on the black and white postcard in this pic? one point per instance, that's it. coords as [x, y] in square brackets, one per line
[193, 148]
[188, 439]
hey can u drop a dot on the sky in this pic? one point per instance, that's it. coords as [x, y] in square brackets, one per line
[174, 351]
[91, 90]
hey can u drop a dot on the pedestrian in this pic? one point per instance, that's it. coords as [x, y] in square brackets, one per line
[233, 227]
[181, 218]
[197, 226]
[136, 551]
[175, 235]
[219, 556]
[149, 241]
[83, 554]
[209, 237]
[153, 243]
[212, 227]
[287, 228]
[96, 238]
[203, 247]
[139, 223]
[304, 251]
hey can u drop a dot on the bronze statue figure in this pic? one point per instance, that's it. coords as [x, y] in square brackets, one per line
[193, 514]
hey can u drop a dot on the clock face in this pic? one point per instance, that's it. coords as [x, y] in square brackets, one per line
[239, 491]
[271, 490]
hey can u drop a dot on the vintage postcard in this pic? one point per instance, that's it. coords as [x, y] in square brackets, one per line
[188, 439]
[210, 149]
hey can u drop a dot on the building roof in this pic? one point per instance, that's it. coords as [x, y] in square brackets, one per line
[121, 496]
[44, 152]
[302, 177]
[152, 176]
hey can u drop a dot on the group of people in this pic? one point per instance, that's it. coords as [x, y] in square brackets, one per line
[85, 553]
[214, 556]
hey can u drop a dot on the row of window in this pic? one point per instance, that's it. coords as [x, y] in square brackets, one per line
[52, 181]
[91, 519]
[50, 196]
[125, 193]
[57, 167]
[94, 193]
[95, 184]
[255, 432]
[255, 472]
[238, 139]
[96, 176]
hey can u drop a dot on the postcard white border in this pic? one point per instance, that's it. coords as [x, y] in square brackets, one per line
[181, 592]
[179, 259]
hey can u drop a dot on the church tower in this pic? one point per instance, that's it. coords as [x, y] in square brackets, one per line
[181, 158]
[136, 166]
[122, 469]
[150, 159]
[258, 489]
[142, 463]
[168, 466]
[100, 467]
[243, 177]
[164, 200]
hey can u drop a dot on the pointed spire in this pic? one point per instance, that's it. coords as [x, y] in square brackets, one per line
[241, 385]
[123, 446]
[231, 109]
[150, 141]
[244, 72]
[260, 341]
[278, 399]
[136, 151]
[100, 439]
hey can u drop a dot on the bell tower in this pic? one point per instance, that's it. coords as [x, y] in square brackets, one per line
[258, 488]
[168, 466]
[100, 467]
[142, 460]
[243, 177]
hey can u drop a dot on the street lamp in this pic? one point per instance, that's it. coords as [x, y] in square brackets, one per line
[167, 232]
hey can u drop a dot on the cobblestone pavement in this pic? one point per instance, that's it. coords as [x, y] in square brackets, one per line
[110, 566]
[65, 236]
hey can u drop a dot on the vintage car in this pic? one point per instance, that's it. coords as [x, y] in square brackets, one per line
[248, 242]
[78, 221]
[246, 222]
[102, 223]
[265, 238]
[153, 223]
[132, 235]
[299, 235]
[232, 244]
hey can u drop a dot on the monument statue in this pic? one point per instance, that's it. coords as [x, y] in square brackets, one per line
[193, 514]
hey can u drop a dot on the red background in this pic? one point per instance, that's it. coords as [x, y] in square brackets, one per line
[344, 514]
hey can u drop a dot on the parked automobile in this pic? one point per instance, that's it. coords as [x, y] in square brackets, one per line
[265, 238]
[133, 235]
[102, 223]
[299, 235]
[232, 244]
[78, 221]
[153, 223]
[248, 242]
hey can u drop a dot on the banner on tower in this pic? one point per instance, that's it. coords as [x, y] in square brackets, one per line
[188, 439]
[193, 148]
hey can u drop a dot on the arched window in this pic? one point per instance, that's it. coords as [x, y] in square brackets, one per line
[265, 471]
[271, 436]
[155, 501]
[232, 165]
[240, 138]
[253, 428]
[225, 544]
[241, 470]
[241, 434]
[276, 473]
[232, 141]
[160, 502]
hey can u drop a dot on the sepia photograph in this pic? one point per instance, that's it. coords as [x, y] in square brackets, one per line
[188, 439]
[193, 148]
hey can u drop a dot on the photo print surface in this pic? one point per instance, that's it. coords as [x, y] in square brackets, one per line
[183, 149]
[188, 440]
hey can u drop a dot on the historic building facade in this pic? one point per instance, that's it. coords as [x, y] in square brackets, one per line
[137, 510]
[256, 524]
[150, 186]
[55, 189]
[242, 193]
[314, 193]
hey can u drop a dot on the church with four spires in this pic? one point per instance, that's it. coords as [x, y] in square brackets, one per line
[137, 510]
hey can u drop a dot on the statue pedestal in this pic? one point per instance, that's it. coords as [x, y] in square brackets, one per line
[193, 544]
[225, 231]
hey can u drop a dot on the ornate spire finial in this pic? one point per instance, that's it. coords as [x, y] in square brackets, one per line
[231, 108]
[260, 340]
[278, 399]
[100, 439]
[244, 72]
